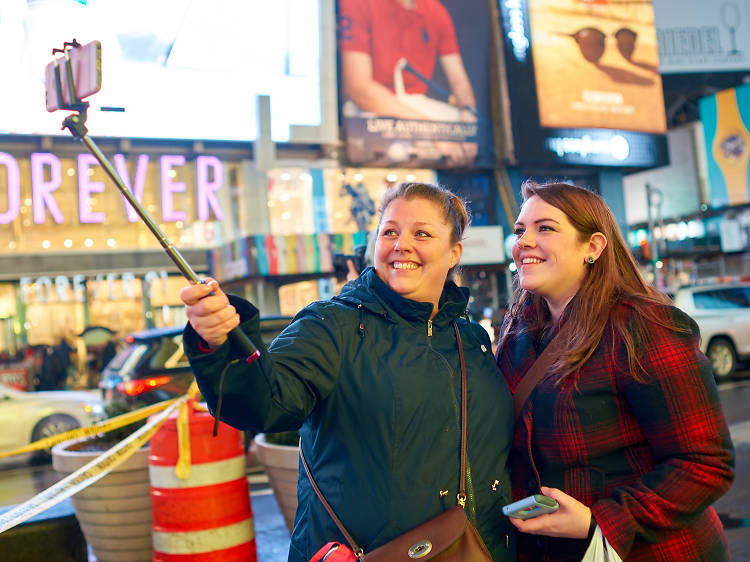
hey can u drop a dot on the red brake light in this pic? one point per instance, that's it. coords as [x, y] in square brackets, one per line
[129, 339]
[139, 386]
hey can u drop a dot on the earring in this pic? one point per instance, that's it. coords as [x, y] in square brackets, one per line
[590, 259]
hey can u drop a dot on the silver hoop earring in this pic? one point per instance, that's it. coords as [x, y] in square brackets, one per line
[590, 259]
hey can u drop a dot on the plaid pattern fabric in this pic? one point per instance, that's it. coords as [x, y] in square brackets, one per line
[648, 458]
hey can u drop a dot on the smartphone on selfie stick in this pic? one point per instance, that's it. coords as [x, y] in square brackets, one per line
[533, 506]
[78, 74]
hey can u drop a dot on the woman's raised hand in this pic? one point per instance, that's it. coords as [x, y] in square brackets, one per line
[571, 521]
[209, 312]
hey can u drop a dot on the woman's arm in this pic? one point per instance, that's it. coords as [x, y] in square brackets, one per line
[279, 390]
[367, 93]
[679, 412]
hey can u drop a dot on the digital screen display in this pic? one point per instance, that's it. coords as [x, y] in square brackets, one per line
[414, 83]
[179, 69]
[581, 83]
[597, 65]
[726, 128]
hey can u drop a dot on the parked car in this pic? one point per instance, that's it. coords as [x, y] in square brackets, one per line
[723, 316]
[29, 416]
[153, 367]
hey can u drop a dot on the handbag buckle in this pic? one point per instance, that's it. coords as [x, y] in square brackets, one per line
[420, 549]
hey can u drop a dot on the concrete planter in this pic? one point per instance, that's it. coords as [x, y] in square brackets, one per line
[114, 512]
[281, 464]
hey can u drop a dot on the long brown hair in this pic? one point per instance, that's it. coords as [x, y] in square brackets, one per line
[611, 279]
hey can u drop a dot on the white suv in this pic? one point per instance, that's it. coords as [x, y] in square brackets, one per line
[723, 316]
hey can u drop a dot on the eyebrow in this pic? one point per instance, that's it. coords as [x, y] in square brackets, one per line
[540, 220]
[419, 223]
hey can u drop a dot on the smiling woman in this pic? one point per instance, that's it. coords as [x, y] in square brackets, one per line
[416, 247]
[372, 379]
[551, 254]
[624, 429]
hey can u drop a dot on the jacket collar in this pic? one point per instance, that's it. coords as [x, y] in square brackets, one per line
[377, 297]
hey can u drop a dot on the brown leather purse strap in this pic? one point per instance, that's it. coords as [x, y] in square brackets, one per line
[461, 496]
[536, 372]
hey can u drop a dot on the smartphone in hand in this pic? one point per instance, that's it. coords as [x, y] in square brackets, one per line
[532, 506]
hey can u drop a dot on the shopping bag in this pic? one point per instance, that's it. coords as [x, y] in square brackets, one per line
[600, 550]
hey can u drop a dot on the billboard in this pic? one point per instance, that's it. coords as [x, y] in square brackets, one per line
[177, 69]
[707, 37]
[583, 83]
[679, 180]
[414, 83]
[726, 128]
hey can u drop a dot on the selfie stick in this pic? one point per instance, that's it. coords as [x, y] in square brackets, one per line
[76, 124]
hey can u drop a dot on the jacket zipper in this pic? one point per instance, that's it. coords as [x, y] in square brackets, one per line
[429, 328]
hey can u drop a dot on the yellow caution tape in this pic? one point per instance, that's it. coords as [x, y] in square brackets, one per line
[182, 468]
[193, 391]
[89, 473]
[99, 427]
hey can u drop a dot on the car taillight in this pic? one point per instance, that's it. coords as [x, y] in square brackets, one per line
[139, 386]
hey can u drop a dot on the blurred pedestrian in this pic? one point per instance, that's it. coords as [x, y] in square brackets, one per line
[52, 371]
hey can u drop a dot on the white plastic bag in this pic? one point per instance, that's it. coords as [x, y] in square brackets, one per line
[600, 550]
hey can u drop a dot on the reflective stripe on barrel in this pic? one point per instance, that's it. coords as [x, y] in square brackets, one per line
[206, 516]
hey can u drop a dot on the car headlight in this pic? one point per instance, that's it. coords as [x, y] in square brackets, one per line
[93, 409]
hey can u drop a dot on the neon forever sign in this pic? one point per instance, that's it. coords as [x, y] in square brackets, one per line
[46, 179]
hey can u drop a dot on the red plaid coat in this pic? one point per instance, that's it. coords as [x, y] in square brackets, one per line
[648, 459]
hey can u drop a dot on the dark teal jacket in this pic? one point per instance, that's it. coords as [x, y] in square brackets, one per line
[377, 401]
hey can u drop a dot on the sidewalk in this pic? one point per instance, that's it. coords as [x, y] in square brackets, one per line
[734, 507]
[272, 536]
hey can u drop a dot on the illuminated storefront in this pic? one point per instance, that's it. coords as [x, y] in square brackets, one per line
[74, 254]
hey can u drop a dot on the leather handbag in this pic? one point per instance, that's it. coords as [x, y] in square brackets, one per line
[449, 537]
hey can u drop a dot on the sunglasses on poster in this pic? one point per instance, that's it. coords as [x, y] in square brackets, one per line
[592, 42]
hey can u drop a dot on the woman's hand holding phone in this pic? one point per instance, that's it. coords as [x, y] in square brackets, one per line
[571, 520]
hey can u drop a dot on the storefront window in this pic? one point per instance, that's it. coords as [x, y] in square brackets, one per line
[290, 201]
[353, 195]
[341, 201]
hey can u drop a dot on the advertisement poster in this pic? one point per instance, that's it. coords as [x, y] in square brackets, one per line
[581, 83]
[708, 37]
[175, 69]
[414, 83]
[597, 65]
[726, 126]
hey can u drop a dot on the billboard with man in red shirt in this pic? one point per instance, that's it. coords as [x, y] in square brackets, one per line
[414, 83]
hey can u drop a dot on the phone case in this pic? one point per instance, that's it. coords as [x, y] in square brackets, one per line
[533, 506]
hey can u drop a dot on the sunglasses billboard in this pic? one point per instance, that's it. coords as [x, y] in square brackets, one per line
[592, 42]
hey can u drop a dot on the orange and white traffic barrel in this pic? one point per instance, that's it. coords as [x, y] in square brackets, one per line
[204, 513]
